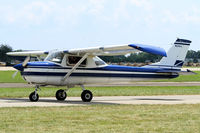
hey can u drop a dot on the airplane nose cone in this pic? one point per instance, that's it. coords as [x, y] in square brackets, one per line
[19, 67]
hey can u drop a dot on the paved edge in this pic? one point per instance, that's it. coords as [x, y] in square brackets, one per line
[104, 100]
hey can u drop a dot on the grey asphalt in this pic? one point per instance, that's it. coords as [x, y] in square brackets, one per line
[104, 100]
[24, 85]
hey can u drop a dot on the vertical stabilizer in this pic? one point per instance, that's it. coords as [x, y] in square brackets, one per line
[176, 54]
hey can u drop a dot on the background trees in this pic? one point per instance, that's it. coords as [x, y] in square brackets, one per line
[4, 48]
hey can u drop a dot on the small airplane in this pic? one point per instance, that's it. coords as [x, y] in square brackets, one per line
[83, 66]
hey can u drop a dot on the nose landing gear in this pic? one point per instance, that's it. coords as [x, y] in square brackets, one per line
[34, 97]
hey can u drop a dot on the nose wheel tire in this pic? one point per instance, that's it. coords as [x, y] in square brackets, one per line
[61, 95]
[86, 96]
[34, 97]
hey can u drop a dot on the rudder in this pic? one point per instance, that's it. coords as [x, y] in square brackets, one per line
[175, 55]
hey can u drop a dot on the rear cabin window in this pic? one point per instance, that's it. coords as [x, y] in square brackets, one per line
[73, 60]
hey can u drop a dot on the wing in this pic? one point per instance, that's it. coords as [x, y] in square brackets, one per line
[118, 50]
[101, 51]
[28, 53]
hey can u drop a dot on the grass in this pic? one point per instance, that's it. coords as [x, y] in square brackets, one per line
[6, 77]
[106, 91]
[102, 119]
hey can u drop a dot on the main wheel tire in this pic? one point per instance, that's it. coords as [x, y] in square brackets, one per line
[86, 96]
[33, 97]
[61, 95]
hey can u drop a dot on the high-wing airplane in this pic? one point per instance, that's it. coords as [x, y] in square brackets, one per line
[83, 66]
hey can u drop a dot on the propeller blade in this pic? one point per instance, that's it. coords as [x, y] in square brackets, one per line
[13, 76]
[26, 61]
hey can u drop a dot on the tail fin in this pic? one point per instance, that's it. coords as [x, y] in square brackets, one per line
[176, 54]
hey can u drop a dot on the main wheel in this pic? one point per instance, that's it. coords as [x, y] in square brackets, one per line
[61, 95]
[33, 97]
[86, 96]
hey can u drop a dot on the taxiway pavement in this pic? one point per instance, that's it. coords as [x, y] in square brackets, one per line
[104, 100]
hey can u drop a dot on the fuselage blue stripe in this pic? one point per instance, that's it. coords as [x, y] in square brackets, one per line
[116, 75]
[181, 43]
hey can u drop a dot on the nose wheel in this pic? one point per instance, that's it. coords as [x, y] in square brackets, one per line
[34, 97]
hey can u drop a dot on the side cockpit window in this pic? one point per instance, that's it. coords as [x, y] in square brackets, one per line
[73, 60]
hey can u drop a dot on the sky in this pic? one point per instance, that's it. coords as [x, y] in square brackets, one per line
[67, 24]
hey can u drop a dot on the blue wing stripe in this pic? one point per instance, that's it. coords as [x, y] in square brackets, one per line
[149, 49]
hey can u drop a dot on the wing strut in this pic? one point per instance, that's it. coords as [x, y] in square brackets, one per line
[75, 66]
[26, 61]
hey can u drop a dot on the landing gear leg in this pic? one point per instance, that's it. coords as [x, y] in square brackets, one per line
[86, 95]
[34, 97]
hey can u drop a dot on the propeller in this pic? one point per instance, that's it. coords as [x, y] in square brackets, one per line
[20, 67]
[14, 75]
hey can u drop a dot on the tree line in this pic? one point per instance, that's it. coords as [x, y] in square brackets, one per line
[140, 57]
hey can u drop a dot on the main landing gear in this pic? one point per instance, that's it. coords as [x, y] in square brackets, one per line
[61, 95]
[86, 95]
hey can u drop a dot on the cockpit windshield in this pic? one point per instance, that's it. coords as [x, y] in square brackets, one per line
[98, 61]
[55, 56]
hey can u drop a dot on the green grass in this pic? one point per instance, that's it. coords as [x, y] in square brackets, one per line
[106, 91]
[102, 119]
[6, 77]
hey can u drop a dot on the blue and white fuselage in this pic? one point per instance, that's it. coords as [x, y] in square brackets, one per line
[50, 73]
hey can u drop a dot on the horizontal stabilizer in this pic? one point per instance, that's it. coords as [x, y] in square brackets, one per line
[187, 72]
